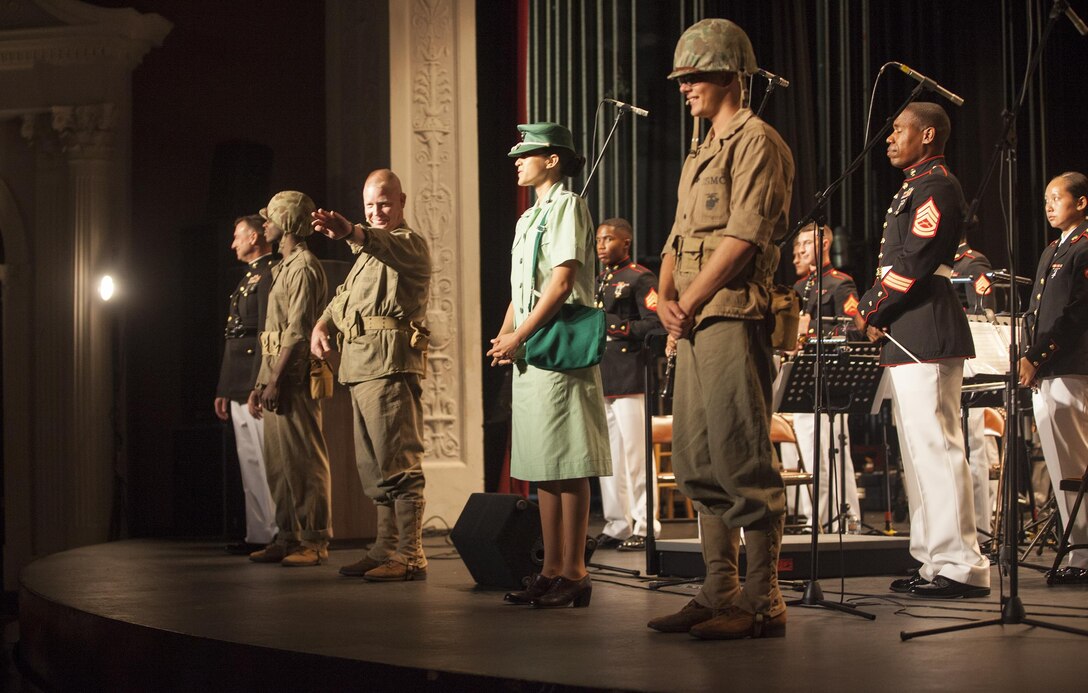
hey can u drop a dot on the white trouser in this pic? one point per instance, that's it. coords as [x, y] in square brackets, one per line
[1061, 415]
[803, 428]
[982, 454]
[938, 480]
[623, 495]
[260, 508]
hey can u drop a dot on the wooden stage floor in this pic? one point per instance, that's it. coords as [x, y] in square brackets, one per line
[182, 615]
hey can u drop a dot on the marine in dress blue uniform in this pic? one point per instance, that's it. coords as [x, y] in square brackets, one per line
[238, 373]
[838, 300]
[913, 300]
[627, 292]
[1057, 350]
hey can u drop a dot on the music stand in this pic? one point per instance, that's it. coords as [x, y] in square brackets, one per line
[851, 382]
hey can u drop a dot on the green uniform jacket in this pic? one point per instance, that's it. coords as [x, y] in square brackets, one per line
[737, 183]
[391, 278]
[298, 291]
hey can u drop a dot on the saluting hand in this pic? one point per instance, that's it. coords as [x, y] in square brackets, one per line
[331, 224]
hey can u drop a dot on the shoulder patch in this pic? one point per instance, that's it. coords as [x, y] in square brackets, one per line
[926, 220]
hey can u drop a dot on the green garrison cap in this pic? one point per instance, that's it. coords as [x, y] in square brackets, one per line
[290, 210]
[713, 45]
[536, 136]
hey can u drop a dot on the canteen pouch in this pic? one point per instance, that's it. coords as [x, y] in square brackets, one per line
[786, 316]
[320, 379]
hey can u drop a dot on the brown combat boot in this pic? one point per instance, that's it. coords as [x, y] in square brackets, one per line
[408, 563]
[273, 553]
[759, 610]
[683, 620]
[734, 623]
[385, 545]
[721, 554]
[306, 556]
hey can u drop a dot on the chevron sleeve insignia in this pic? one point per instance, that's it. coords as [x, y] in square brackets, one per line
[850, 306]
[983, 286]
[897, 282]
[926, 220]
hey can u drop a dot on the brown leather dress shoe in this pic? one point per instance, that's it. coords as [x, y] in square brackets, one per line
[734, 623]
[538, 585]
[682, 621]
[395, 571]
[564, 592]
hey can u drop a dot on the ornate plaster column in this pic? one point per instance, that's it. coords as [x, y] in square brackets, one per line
[95, 192]
[432, 49]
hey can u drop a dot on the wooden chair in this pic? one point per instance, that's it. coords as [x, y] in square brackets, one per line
[666, 478]
[782, 433]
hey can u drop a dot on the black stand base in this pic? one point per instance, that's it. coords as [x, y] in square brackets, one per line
[814, 596]
[1012, 613]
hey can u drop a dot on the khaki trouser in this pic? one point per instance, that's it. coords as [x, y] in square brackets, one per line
[388, 422]
[721, 450]
[298, 468]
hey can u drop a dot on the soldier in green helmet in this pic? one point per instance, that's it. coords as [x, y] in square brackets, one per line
[294, 446]
[715, 283]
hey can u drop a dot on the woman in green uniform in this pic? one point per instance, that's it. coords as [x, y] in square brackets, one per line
[560, 437]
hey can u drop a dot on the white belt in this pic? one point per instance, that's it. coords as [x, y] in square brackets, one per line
[941, 271]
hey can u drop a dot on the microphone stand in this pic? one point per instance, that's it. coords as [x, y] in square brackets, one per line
[1012, 608]
[604, 148]
[813, 594]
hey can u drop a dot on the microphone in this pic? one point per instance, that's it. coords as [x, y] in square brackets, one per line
[1078, 23]
[628, 107]
[929, 84]
[773, 78]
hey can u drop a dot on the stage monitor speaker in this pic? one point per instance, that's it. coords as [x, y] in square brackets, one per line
[498, 537]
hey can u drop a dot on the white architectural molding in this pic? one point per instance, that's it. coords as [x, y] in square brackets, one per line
[65, 71]
[433, 149]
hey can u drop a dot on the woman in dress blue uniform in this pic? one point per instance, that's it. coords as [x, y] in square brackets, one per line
[1055, 361]
[560, 437]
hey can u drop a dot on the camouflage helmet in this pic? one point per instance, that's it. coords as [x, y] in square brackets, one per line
[290, 210]
[713, 45]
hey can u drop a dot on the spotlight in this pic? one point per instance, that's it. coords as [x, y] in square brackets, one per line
[106, 287]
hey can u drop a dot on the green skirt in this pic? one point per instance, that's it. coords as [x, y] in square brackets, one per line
[559, 426]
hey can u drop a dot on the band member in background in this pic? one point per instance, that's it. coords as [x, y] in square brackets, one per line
[627, 293]
[1055, 361]
[839, 307]
[913, 303]
[716, 278]
[982, 453]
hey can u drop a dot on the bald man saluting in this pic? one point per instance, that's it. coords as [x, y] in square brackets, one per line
[378, 317]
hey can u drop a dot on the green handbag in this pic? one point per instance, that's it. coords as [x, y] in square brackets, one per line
[575, 336]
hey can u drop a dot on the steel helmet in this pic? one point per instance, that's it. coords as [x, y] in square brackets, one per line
[713, 45]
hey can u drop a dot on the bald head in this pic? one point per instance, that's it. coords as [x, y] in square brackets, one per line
[383, 200]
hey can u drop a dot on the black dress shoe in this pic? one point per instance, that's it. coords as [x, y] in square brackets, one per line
[908, 583]
[242, 548]
[605, 541]
[536, 587]
[564, 592]
[1068, 575]
[635, 542]
[943, 588]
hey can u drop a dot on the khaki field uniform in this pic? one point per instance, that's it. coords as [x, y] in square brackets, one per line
[737, 183]
[295, 452]
[379, 314]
